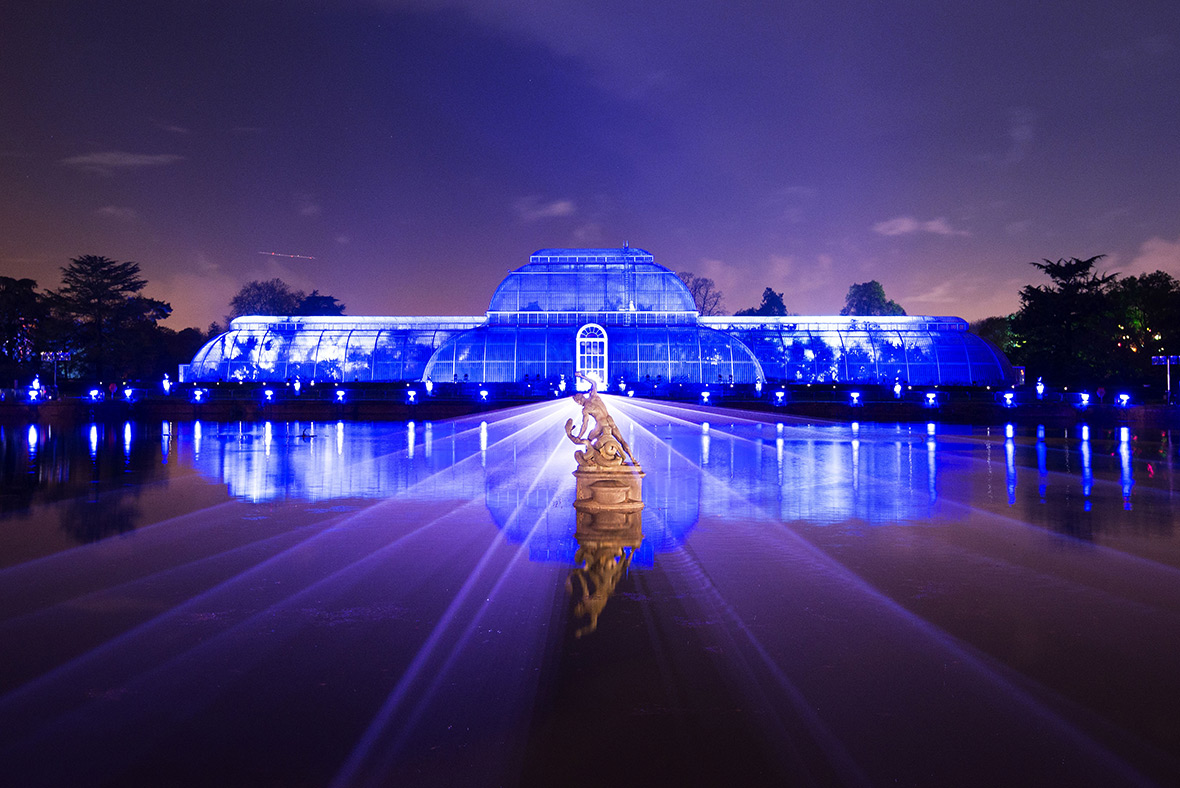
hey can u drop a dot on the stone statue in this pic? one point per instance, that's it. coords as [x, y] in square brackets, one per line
[609, 505]
[604, 446]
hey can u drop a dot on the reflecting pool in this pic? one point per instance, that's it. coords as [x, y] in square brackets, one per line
[195, 603]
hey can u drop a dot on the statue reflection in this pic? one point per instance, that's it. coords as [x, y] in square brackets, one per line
[609, 506]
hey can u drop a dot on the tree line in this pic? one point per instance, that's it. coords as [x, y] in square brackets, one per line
[1080, 328]
[99, 326]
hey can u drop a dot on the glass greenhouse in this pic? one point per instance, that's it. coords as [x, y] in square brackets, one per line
[610, 314]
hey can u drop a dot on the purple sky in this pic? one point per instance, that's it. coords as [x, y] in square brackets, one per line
[419, 150]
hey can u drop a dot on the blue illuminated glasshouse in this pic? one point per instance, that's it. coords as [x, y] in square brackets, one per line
[607, 313]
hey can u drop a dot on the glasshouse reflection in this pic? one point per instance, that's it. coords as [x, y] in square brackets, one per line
[697, 468]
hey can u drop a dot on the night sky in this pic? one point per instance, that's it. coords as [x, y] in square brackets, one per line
[419, 150]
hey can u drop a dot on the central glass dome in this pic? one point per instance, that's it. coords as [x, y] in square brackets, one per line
[591, 281]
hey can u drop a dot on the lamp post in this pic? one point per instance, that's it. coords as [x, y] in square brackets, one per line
[1167, 362]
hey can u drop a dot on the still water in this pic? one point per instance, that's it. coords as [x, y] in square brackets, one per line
[194, 603]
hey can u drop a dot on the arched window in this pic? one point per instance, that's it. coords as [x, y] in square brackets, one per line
[591, 361]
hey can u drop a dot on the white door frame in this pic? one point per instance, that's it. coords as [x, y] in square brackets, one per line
[590, 347]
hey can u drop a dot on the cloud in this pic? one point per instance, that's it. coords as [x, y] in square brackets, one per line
[1155, 254]
[1021, 132]
[531, 209]
[120, 212]
[108, 162]
[908, 225]
[306, 205]
[172, 128]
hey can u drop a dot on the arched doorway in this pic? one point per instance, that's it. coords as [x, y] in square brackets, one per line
[591, 348]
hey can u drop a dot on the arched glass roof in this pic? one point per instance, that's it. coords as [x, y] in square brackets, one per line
[591, 280]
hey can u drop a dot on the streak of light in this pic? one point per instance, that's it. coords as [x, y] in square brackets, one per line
[295, 256]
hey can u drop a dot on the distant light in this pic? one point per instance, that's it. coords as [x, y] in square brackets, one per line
[1124, 400]
[630, 392]
[298, 385]
[758, 387]
[1085, 432]
[778, 397]
[1009, 431]
[930, 428]
[1124, 434]
[429, 386]
[167, 384]
[1040, 389]
[95, 395]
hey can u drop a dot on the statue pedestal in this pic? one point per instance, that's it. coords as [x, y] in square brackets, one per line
[609, 500]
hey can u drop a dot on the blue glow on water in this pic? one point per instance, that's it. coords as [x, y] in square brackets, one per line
[400, 584]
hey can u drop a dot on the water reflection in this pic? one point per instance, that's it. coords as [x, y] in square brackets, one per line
[819, 474]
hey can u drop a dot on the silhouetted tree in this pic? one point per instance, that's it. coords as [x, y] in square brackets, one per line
[22, 310]
[704, 293]
[101, 318]
[997, 330]
[272, 297]
[868, 298]
[772, 306]
[1066, 331]
[276, 298]
[1147, 309]
[316, 304]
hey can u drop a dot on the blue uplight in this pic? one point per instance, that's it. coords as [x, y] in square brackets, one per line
[1009, 399]
[483, 395]
[340, 395]
[705, 397]
[269, 394]
[411, 395]
[95, 395]
[1124, 400]
[855, 397]
[1083, 399]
